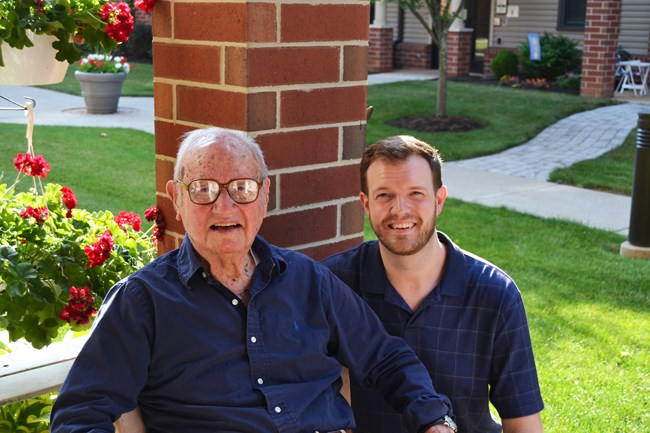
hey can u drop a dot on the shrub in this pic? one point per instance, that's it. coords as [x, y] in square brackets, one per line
[623, 54]
[569, 81]
[559, 55]
[138, 46]
[28, 416]
[505, 63]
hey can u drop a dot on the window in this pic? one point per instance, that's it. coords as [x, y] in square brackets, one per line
[571, 15]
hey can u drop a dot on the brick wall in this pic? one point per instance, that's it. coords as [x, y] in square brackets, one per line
[291, 74]
[380, 55]
[410, 55]
[459, 52]
[602, 23]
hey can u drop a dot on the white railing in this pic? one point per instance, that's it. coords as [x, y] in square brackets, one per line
[27, 373]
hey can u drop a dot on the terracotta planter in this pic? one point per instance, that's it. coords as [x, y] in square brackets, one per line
[32, 66]
[101, 92]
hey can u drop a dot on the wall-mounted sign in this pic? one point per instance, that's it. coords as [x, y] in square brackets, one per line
[513, 12]
[501, 6]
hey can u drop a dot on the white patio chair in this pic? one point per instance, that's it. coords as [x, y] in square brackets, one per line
[634, 76]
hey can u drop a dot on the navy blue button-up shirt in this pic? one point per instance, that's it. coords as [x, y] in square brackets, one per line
[471, 333]
[175, 342]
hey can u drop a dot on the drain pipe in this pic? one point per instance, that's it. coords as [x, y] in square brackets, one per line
[638, 239]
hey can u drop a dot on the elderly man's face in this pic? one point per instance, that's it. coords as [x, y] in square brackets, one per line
[224, 227]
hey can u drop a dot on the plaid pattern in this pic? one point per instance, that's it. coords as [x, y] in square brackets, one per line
[471, 333]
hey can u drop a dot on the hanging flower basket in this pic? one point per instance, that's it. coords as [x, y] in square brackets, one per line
[39, 67]
[99, 23]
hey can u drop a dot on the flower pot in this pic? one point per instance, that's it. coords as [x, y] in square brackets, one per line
[101, 92]
[32, 66]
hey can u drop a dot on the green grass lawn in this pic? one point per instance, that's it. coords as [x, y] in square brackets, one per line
[511, 116]
[107, 168]
[139, 82]
[588, 307]
[611, 172]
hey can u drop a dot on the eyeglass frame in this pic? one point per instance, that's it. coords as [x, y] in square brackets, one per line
[186, 186]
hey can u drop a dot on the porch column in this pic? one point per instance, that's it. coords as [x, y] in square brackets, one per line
[602, 24]
[292, 74]
[459, 46]
[380, 54]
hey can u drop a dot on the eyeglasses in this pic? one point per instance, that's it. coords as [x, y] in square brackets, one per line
[207, 191]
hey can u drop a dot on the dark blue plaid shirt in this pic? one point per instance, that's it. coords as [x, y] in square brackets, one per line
[181, 346]
[471, 333]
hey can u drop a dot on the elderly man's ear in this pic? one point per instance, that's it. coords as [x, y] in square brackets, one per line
[172, 192]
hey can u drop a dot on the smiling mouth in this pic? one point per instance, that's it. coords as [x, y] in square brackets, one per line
[401, 226]
[224, 227]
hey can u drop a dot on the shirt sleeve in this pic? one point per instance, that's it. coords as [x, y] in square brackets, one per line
[514, 386]
[111, 368]
[378, 359]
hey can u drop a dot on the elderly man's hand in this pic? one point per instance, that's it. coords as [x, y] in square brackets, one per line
[439, 428]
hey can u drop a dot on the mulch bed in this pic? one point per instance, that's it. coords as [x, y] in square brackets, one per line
[431, 123]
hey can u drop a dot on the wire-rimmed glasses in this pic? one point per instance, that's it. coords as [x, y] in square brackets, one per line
[207, 191]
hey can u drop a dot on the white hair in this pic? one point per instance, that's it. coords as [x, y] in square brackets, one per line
[208, 136]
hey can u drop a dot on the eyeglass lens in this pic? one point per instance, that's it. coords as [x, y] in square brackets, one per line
[206, 191]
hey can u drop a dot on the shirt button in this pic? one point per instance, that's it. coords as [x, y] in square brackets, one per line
[204, 275]
[253, 340]
[278, 409]
[235, 302]
[260, 381]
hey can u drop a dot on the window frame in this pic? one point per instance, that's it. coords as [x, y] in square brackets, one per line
[561, 17]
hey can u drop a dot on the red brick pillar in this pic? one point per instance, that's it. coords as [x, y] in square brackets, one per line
[602, 23]
[291, 74]
[380, 55]
[459, 52]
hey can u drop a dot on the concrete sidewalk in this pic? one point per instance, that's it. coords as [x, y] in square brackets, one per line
[515, 179]
[54, 108]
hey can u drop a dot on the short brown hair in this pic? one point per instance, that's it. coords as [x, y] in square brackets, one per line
[399, 148]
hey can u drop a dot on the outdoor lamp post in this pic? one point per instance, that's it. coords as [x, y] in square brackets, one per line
[638, 243]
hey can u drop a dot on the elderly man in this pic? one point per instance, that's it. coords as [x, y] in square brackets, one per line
[232, 334]
[463, 316]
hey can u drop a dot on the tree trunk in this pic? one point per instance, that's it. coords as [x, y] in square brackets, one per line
[441, 106]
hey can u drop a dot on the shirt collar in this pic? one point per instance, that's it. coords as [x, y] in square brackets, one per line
[189, 262]
[454, 278]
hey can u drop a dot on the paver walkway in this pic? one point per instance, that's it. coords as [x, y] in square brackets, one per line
[579, 137]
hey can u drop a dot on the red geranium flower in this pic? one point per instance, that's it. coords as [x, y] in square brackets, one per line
[118, 19]
[69, 200]
[80, 306]
[100, 251]
[125, 218]
[144, 5]
[152, 213]
[32, 165]
[40, 214]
